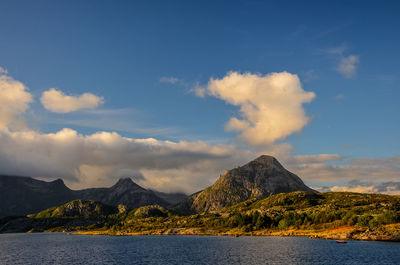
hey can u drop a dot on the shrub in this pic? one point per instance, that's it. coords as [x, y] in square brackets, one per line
[363, 220]
[388, 217]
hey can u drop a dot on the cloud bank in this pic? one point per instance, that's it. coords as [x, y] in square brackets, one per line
[56, 101]
[270, 106]
[316, 169]
[391, 187]
[100, 159]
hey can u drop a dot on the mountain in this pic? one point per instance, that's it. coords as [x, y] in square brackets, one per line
[24, 195]
[126, 192]
[260, 178]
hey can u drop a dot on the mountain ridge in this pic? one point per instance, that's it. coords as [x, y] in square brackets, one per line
[21, 195]
[259, 178]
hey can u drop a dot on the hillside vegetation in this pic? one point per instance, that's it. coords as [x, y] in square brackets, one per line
[337, 215]
[77, 209]
[296, 210]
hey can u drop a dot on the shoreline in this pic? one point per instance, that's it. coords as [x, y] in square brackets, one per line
[341, 233]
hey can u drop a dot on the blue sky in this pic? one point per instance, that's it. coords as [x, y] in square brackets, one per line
[125, 51]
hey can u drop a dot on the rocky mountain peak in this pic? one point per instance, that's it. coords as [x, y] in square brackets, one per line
[264, 165]
[259, 178]
[59, 183]
[267, 161]
[126, 183]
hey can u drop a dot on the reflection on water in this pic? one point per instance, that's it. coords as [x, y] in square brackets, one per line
[58, 248]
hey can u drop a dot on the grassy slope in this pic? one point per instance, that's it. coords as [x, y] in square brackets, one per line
[326, 215]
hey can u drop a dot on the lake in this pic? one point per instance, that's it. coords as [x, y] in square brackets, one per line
[60, 248]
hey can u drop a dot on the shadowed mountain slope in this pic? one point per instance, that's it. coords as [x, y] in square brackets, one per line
[125, 191]
[24, 195]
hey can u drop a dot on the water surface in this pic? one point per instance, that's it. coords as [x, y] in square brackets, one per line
[59, 248]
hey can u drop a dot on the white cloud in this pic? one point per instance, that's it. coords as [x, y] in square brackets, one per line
[347, 65]
[101, 158]
[14, 100]
[271, 106]
[56, 101]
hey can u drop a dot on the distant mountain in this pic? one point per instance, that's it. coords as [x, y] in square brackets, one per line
[259, 178]
[125, 191]
[171, 198]
[24, 195]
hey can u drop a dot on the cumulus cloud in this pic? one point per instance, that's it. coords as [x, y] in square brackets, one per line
[14, 101]
[347, 65]
[56, 101]
[270, 106]
[101, 158]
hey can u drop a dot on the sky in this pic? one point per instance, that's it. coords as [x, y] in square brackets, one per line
[173, 93]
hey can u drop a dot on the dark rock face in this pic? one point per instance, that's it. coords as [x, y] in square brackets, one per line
[24, 195]
[20, 196]
[259, 178]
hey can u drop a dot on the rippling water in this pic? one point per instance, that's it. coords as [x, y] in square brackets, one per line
[59, 248]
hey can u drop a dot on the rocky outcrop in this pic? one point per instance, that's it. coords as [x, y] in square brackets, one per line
[150, 211]
[77, 209]
[260, 178]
